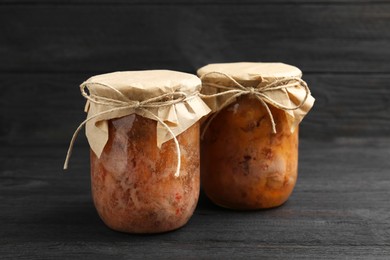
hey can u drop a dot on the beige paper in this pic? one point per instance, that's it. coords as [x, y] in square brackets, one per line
[217, 78]
[118, 88]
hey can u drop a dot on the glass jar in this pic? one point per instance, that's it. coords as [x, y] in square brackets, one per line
[133, 184]
[245, 164]
[143, 131]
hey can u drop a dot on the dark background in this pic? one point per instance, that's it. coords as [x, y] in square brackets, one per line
[47, 48]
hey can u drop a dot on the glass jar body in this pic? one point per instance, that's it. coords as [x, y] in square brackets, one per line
[244, 165]
[133, 184]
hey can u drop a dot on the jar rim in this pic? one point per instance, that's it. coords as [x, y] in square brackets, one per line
[249, 71]
[143, 84]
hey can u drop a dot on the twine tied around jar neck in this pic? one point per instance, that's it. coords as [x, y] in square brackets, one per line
[167, 99]
[258, 93]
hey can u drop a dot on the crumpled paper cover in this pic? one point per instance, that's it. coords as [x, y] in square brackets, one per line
[257, 75]
[140, 86]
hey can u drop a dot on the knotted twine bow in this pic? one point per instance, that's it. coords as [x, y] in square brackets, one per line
[167, 99]
[259, 93]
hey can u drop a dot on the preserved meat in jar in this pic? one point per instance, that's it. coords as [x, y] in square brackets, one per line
[244, 164]
[133, 184]
[249, 150]
[143, 131]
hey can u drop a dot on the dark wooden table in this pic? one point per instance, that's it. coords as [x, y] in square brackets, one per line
[341, 205]
[340, 209]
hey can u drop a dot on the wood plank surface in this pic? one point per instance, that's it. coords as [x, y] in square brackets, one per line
[98, 38]
[186, 2]
[339, 210]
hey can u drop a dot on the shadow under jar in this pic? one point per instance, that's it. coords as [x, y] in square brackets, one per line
[143, 131]
[244, 164]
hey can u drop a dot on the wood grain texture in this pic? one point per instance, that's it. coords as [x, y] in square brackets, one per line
[49, 46]
[339, 209]
[186, 2]
[73, 38]
[335, 212]
[45, 109]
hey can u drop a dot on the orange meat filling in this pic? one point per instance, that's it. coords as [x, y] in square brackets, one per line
[245, 165]
[133, 184]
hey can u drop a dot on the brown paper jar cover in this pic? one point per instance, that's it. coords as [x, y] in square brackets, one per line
[244, 164]
[134, 185]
